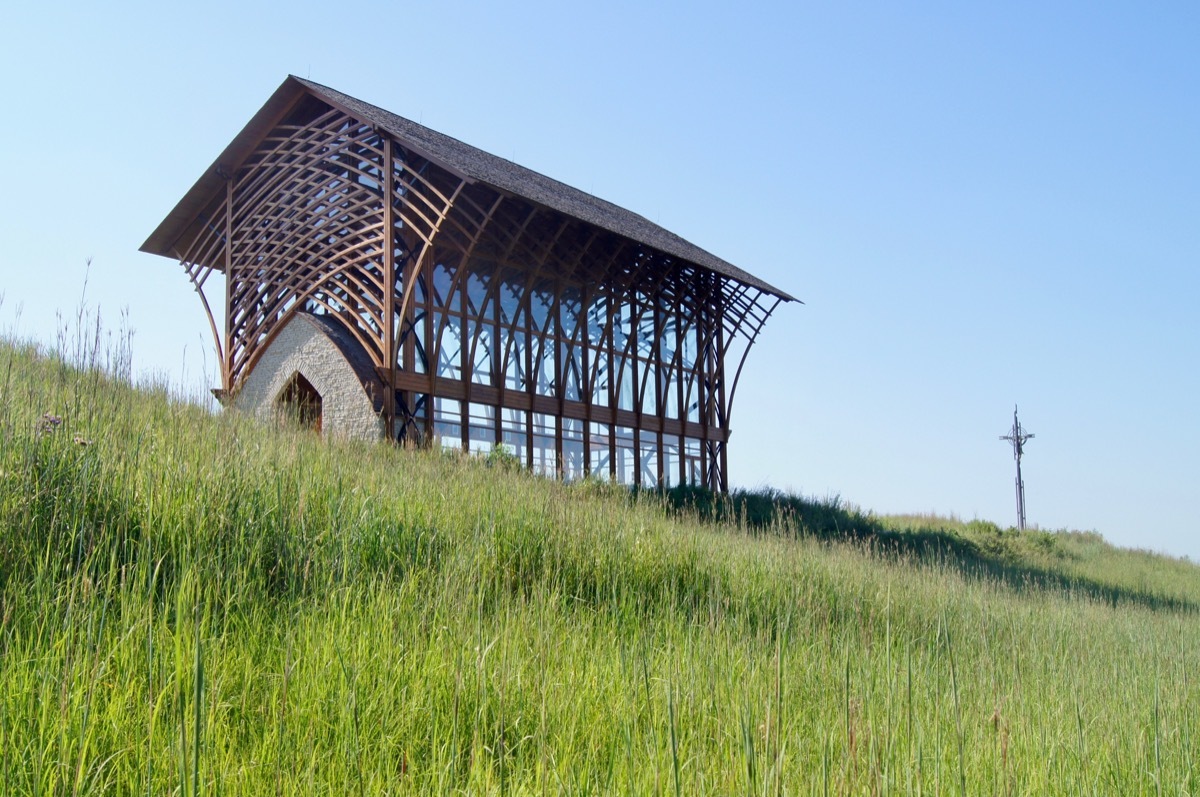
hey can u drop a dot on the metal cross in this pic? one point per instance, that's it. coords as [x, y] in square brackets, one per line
[1018, 437]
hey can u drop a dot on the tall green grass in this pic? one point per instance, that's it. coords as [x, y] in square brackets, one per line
[196, 604]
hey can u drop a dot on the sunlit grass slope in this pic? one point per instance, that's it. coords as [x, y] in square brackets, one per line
[196, 604]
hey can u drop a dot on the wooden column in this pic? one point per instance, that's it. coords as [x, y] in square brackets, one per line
[389, 291]
[610, 347]
[227, 366]
[586, 389]
[635, 327]
[722, 464]
[431, 355]
[660, 408]
[680, 399]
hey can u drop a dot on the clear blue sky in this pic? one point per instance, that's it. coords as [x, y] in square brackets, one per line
[981, 205]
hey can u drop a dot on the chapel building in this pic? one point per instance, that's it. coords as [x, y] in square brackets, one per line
[378, 279]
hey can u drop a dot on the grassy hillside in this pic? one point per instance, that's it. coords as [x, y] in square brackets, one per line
[1077, 562]
[195, 604]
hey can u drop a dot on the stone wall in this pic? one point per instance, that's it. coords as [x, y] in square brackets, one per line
[349, 399]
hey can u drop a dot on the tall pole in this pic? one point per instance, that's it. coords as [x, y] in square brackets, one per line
[1018, 437]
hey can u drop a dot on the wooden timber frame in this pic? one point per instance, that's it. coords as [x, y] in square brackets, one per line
[498, 307]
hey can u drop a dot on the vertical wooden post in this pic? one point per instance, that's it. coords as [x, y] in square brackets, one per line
[495, 289]
[409, 352]
[708, 374]
[530, 380]
[389, 291]
[660, 408]
[586, 383]
[227, 366]
[722, 476]
[635, 324]
[555, 329]
[609, 348]
[680, 400]
[431, 361]
[462, 279]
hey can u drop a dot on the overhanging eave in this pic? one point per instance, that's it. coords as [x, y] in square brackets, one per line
[180, 224]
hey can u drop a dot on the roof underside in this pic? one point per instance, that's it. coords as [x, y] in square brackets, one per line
[449, 153]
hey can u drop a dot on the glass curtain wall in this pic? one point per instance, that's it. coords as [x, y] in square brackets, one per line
[577, 351]
[575, 380]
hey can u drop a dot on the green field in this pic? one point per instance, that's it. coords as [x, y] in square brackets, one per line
[197, 604]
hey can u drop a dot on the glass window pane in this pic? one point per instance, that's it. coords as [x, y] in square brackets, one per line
[541, 302]
[545, 364]
[625, 387]
[647, 386]
[483, 336]
[513, 426]
[626, 461]
[668, 343]
[482, 428]
[416, 333]
[477, 290]
[599, 440]
[443, 280]
[447, 422]
[545, 458]
[689, 345]
[572, 464]
[670, 460]
[572, 373]
[599, 343]
[514, 365]
[568, 312]
[692, 462]
[449, 355]
[691, 397]
[511, 291]
[649, 459]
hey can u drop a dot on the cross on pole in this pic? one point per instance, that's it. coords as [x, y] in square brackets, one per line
[1018, 437]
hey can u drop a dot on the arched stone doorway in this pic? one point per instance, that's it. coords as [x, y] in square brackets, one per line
[315, 373]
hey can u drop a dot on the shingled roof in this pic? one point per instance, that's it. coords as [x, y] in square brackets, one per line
[457, 157]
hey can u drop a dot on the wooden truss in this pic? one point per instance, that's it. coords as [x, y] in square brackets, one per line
[493, 319]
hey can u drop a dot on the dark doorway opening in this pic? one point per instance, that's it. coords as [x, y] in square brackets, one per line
[300, 403]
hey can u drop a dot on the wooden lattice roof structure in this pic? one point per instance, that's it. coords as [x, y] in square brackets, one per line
[582, 309]
[181, 223]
